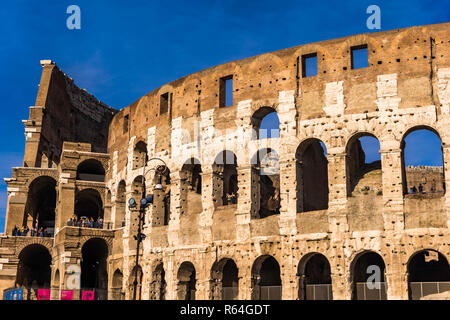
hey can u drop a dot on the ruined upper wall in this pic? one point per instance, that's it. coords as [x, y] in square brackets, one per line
[414, 54]
[63, 112]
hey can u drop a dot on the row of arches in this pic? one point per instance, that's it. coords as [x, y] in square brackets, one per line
[426, 268]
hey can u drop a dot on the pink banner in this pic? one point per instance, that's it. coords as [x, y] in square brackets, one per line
[66, 295]
[43, 294]
[87, 295]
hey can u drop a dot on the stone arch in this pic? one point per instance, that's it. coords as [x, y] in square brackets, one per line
[41, 203]
[314, 272]
[91, 170]
[368, 276]
[121, 205]
[108, 241]
[356, 167]
[158, 285]
[429, 179]
[140, 156]
[225, 181]
[266, 279]
[428, 273]
[311, 175]
[161, 201]
[265, 183]
[89, 203]
[186, 281]
[94, 275]
[224, 280]
[116, 285]
[33, 241]
[34, 267]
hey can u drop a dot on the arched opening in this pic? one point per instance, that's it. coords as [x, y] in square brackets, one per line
[186, 281]
[266, 279]
[265, 184]
[225, 179]
[192, 174]
[91, 170]
[265, 124]
[161, 202]
[120, 205]
[314, 274]
[428, 273]
[224, 280]
[94, 276]
[158, 284]
[116, 286]
[422, 163]
[312, 176]
[137, 193]
[56, 280]
[41, 204]
[363, 165]
[140, 157]
[34, 270]
[139, 283]
[368, 277]
[88, 204]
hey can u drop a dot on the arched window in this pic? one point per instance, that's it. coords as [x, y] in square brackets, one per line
[367, 275]
[266, 279]
[158, 284]
[422, 162]
[312, 176]
[225, 181]
[225, 281]
[363, 165]
[91, 170]
[428, 273]
[140, 157]
[139, 283]
[314, 278]
[265, 184]
[116, 285]
[186, 281]
[265, 124]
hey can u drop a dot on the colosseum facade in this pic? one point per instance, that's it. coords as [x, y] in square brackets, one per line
[236, 214]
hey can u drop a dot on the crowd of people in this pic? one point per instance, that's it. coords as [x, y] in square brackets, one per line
[85, 222]
[34, 232]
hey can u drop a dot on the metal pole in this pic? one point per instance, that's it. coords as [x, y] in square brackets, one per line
[137, 252]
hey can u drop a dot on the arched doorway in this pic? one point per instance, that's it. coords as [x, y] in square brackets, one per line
[311, 176]
[140, 157]
[119, 219]
[224, 280]
[94, 276]
[34, 270]
[225, 179]
[314, 278]
[428, 273]
[186, 281]
[158, 284]
[161, 202]
[368, 277]
[88, 203]
[266, 279]
[265, 123]
[41, 204]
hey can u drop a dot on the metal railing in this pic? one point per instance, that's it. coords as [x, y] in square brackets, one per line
[230, 293]
[270, 293]
[363, 292]
[319, 292]
[422, 289]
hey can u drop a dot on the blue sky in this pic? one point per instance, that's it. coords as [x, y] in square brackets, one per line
[126, 49]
